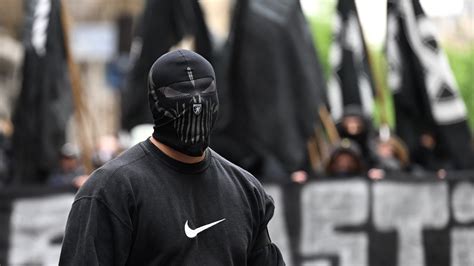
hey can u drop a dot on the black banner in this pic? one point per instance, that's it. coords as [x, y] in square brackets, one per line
[162, 25]
[391, 223]
[278, 71]
[43, 108]
[425, 93]
[353, 222]
[351, 82]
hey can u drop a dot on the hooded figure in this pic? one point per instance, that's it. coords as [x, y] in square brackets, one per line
[345, 160]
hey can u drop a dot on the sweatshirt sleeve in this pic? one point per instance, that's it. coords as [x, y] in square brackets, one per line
[99, 227]
[95, 235]
[264, 252]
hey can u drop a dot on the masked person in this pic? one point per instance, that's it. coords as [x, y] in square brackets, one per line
[171, 200]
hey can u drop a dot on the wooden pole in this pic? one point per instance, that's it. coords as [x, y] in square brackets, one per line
[329, 125]
[323, 145]
[379, 92]
[77, 90]
[313, 153]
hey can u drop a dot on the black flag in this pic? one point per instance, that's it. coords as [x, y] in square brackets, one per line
[45, 102]
[275, 85]
[163, 24]
[425, 93]
[351, 82]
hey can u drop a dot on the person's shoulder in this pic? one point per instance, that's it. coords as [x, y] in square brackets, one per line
[252, 191]
[235, 171]
[128, 157]
[114, 174]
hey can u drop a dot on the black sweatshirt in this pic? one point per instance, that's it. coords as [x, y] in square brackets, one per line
[134, 211]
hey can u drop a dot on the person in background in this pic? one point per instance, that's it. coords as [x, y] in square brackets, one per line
[429, 156]
[355, 126]
[107, 148]
[391, 156]
[345, 160]
[70, 167]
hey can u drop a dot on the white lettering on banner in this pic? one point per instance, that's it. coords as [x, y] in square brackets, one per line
[462, 247]
[354, 43]
[463, 202]
[334, 85]
[462, 239]
[327, 206]
[276, 226]
[39, 34]
[317, 263]
[394, 75]
[437, 72]
[35, 224]
[409, 208]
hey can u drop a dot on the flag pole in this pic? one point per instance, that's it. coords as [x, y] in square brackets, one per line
[379, 92]
[329, 125]
[314, 157]
[77, 89]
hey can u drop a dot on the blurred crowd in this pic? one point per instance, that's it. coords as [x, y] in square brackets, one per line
[362, 151]
[379, 153]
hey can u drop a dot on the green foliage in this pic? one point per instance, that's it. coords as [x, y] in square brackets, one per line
[462, 64]
[379, 67]
[322, 36]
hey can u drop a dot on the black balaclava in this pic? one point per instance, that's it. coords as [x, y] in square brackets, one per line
[183, 100]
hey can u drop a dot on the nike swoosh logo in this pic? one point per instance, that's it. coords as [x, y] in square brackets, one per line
[192, 233]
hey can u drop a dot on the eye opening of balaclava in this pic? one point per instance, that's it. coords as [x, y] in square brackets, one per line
[183, 100]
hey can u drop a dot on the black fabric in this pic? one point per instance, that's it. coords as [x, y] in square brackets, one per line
[5, 207]
[163, 24]
[423, 84]
[183, 100]
[275, 85]
[133, 211]
[262, 240]
[351, 76]
[45, 103]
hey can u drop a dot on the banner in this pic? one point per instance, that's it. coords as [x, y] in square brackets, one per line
[162, 25]
[392, 223]
[278, 71]
[426, 97]
[32, 222]
[351, 82]
[352, 222]
[43, 108]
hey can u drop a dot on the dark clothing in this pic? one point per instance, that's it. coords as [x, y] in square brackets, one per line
[45, 103]
[425, 97]
[275, 86]
[133, 211]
